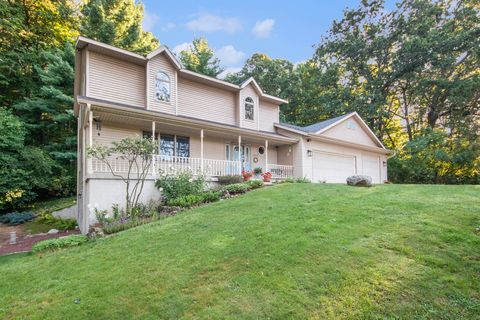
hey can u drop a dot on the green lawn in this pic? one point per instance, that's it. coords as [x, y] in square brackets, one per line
[289, 251]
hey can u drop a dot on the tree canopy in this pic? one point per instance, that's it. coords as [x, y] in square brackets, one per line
[201, 58]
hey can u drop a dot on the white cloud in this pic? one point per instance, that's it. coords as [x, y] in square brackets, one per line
[168, 26]
[229, 70]
[229, 56]
[209, 23]
[263, 28]
[149, 21]
[182, 46]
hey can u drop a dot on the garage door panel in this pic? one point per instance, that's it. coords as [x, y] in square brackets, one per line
[332, 167]
[371, 167]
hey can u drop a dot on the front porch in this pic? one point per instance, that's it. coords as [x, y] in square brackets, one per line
[209, 149]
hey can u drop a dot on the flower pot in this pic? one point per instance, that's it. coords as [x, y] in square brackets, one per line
[246, 178]
[267, 179]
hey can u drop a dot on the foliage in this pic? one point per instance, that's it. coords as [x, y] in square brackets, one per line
[223, 180]
[435, 157]
[191, 200]
[118, 23]
[257, 170]
[73, 240]
[201, 58]
[180, 184]
[302, 180]
[137, 152]
[254, 184]
[14, 218]
[236, 188]
[246, 174]
[122, 225]
[56, 223]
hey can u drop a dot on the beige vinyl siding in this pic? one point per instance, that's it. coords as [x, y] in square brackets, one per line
[268, 116]
[204, 102]
[249, 91]
[283, 156]
[116, 80]
[358, 135]
[113, 132]
[161, 63]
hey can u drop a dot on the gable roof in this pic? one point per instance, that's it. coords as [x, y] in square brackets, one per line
[139, 59]
[322, 126]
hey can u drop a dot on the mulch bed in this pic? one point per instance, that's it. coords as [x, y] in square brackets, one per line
[25, 243]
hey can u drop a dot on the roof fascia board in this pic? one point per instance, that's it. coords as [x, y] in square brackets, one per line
[303, 133]
[350, 144]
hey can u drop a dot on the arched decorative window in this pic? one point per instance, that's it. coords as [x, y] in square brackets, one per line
[249, 109]
[162, 87]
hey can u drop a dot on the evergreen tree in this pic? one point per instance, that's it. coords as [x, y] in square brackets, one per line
[200, 58]
[118, 23]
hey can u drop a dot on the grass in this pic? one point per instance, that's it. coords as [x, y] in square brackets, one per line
[289, 251]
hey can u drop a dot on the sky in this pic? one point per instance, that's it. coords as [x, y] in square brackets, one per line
[238, 29]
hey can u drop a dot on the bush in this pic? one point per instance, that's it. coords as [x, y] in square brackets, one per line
[15, 218]
[211, 196]
[225, 180]
[236, 188]
[193, 200]
[254, 184]
[122, 225]
[57, 223]
[58, 243]
[302, 180]
[179, 185]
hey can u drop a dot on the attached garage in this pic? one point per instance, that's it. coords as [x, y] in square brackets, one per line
[331, 150]
[332, 167]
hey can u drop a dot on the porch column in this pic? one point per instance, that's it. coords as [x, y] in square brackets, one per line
[154, 159]
[90, 138]
[201, 151]
[266, 155]
[239, 155]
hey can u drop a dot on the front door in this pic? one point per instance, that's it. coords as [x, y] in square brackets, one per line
[244, 156]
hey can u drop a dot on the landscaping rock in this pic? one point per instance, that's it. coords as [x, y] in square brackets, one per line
[359, 181]
[95, 232]
[53, 231]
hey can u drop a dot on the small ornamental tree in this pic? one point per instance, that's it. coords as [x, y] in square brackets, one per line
[137, 152]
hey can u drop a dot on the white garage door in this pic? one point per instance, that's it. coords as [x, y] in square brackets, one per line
[371, 167]
[332, 167]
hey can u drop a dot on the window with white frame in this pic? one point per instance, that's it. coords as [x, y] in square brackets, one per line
[162, 87]
[249, 108]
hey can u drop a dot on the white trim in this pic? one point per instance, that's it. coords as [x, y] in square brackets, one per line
[201, 150]
[82, 40]
[162, 49]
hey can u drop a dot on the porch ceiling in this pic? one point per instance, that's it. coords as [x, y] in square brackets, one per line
[172, 124]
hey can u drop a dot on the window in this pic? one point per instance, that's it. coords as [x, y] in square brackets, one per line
[162, 87]
[171, 145]
[249, 108]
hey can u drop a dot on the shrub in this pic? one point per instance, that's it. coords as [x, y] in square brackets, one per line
[211, 196]
[15, 218]
[58, 243]
[187, 201]
[225, 180]
[236, 188]
[57, 223]
[179, 185]
[254, 184]
[122, 225]
[302, 180]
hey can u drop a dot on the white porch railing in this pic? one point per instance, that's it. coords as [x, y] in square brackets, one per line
[171, 164]
[280, 171]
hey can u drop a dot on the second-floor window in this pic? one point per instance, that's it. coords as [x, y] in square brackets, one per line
[249, 109]
[162, 87]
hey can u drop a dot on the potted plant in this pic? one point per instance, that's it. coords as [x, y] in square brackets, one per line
[267, 176]
[258, 171]
[247, 175]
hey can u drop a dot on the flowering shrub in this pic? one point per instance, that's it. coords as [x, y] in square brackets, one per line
[178, 185]
[254, 184]
[267, 176]
[247, 175]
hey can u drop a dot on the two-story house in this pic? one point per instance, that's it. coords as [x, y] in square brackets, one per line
[201, 123]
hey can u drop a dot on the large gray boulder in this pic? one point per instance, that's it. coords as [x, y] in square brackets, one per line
[359, 181]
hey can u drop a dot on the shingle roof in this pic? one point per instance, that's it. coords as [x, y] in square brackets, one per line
[316, 126]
